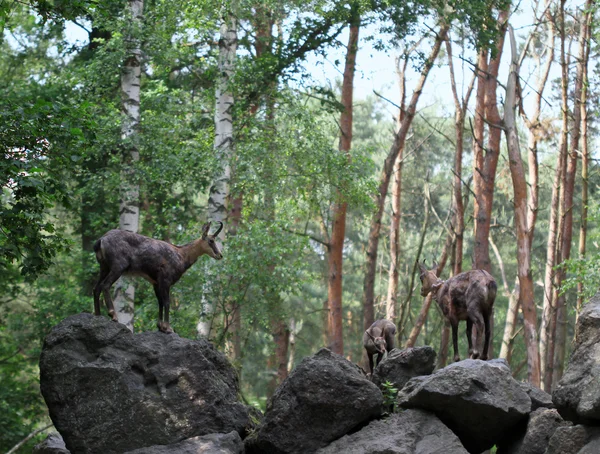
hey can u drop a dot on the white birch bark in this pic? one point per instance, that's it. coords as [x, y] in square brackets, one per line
[129, 212]
[219, 192]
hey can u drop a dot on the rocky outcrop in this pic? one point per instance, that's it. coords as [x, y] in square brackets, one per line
[479, 401]
[399, 366]
[539, 398]
[577, 395]
[324, 398]
[52, 444]
[110, 391]
[542, 424]
[575, 440]
[408, 432]
[230, 443]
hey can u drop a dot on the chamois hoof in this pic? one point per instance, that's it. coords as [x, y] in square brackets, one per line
[164, 327]
[113, 316]
[475, 354]
[456, 358]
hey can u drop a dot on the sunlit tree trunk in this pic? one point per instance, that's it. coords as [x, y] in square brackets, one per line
[585, 157]
[399, 140]
[129, 212]
[338, 231]
[391, 302]
[555, 223]
[219, 192]
[568, 200]
[517, 171]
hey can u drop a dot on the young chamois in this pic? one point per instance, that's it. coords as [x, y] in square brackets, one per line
[125, 253]
[379, 338]
[467, 296]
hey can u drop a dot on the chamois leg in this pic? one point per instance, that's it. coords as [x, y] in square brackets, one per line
[486, 345]
[370, 355]
[105, 286]
[162, 293]
[476, 336]
[469, 334]
[379, 357]
[98, 290]
[455, 339]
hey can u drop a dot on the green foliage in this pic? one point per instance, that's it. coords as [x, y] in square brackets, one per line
[390, 392]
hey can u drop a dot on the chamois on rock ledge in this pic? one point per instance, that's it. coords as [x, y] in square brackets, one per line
[378, 339]
[467, 296]
[125, 253]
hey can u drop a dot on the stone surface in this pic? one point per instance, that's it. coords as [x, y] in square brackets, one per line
[399, 366]
[478, 400]
[52, 444]
[542, 424]
[575, 440]
[539, 398]
[110, 391]
[230, 443]
[408, 432]
[577, 395]
[324, 398]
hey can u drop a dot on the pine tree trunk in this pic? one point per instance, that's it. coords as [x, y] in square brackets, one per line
[338, 231]
[517, 171]
[129, 211]
[399, 140]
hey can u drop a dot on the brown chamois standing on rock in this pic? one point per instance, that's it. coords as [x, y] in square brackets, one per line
[467, 296]
[162, 264]
[379, 338]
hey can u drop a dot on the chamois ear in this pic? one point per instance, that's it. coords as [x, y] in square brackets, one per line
[205, 229]
[422, 266]
[435, 265]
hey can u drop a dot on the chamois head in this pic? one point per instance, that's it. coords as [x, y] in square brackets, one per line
[211, 248]
[429, 280]
[379, 342]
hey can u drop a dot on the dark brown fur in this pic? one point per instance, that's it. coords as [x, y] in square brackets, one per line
[467, 296]
[125, 253]
[379, 338]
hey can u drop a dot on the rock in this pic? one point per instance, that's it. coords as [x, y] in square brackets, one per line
[230, 443]
[478, 401]
[110, 391]
[325, 397]
[539, 398]
[53, 444]
[401, 365]
[577, 395]
[408, 432]
[542, 424]
[578, 439]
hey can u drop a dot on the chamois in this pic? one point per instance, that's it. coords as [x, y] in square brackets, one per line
[467, 296]
[379, 338]
[125, 253]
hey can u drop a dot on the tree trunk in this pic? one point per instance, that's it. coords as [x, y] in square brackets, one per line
[517, 171]
[338, 231]
[220, 192]
[399, 140]
[567, 201]
[129, 211]
[392, 301]
[585, 157]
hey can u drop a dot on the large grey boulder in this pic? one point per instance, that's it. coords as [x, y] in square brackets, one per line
[230, 443]
[478, 400]
[52, 444]
[399, 366]
[542, 424]
[408, 432]
[539, 398]
[110, 391]
[325, 397]
[577, 395]
[578, 439]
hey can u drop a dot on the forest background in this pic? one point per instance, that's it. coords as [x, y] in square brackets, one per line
[472, 146]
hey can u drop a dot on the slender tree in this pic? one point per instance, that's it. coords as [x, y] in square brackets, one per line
[129, 211]
[338, 230]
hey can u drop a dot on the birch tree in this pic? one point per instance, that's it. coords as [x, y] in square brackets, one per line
[220, 190]
[129, 211]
